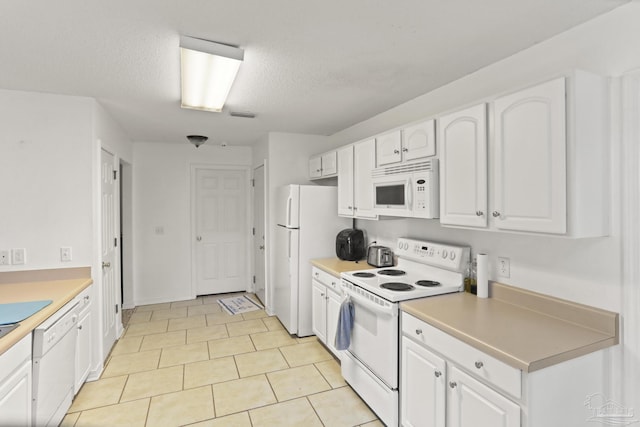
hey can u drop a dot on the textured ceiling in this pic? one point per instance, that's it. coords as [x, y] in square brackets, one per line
[310, 66]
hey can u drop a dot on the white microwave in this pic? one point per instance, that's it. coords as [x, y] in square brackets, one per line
[407, 190]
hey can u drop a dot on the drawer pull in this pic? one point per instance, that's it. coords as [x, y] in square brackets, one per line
[437, 374]
[453, 384]
[479, 364]
[418, 331]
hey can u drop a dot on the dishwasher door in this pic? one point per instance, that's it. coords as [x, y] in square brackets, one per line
[54, 345]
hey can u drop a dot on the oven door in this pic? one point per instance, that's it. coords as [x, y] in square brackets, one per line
[393, 195]
[374, 338]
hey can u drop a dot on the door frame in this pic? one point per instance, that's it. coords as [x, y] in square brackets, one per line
[192, 218]
[262, 165]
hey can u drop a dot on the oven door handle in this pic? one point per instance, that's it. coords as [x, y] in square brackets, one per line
[387, 311]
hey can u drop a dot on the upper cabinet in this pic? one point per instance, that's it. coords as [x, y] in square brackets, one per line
[547, 160]
[355, 186]
[529, 191]
[462, 137]
[323, 165]
[411, 143]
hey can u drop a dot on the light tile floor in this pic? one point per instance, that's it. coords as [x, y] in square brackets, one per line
[190, 363]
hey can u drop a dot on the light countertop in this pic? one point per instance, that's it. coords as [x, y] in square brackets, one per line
[60, 291]
[335, 266]
[524, 329]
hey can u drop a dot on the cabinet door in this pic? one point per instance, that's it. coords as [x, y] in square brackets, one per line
[471, 403]
[319, 310]
[388, 148]
[15, 397]
[422, 386]
[315, 167]
[330, 163]
[345, 181]
[530, 160]
[419, 141]
[463, 167]
[364, 162]
[83, 348]
[333, 312]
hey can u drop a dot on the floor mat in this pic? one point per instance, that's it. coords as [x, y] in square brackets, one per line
[240, 304]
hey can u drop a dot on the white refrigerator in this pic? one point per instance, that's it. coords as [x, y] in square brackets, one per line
[307, 224]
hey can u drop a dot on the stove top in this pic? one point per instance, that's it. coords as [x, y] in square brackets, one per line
[424, 269]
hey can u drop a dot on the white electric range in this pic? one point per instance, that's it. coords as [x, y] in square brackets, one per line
[370, 365]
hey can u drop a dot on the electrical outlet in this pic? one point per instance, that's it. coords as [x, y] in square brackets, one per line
[19, 256]
[504, 267]
[65, 254]
[5, 258]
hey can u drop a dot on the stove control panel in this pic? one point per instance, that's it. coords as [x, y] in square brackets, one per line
[443, 255]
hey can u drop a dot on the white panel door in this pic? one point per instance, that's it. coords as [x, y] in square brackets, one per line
[364, 162]
[389, 148]
[110, 280]
[422, 386]
[472, 404]
[345, 181]
[530, 160]
[221, 231]
[258, 233]
[419, 140]
[463, 167]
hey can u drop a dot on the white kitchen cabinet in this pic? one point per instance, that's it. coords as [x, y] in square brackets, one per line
[355, 185]
[547, 160]
[413, 142]
[326, 298]
[15, 384]
[439, 371]
[422, 386]
[462, 137]
[469, 402]
[530, 160]
[323, 165]
[84, 339]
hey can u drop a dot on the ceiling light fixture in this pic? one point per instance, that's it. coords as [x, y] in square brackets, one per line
[197, 140]
[208, 70]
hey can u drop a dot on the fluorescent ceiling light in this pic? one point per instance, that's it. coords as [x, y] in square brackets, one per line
[208, 71]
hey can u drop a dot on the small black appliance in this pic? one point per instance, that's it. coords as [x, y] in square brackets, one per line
[350, 245]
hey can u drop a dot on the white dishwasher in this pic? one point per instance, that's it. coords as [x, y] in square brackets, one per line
[54, 344]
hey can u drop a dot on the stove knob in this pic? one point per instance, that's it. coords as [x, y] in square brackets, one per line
[444, 253]
[452, 255]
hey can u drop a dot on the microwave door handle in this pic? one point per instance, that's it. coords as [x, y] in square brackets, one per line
[409, 195]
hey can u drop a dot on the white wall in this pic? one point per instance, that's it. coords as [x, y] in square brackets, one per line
[46, 178]
[162, 198]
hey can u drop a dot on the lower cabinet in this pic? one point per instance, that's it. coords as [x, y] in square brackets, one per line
[445, 382]
[326, 297]
[84, 339]
[15, 384]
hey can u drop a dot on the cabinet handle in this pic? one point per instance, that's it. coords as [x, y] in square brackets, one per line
[396, 152]
[479, 213]
[199, 238]
[405, 150]
[321, 295]
[79, 326]
[479, 364]
[106, 264]
[316, 274]
[453, 384]
[437, 374]
[495, 214]
[355, 208]
[418, 331]
[349, 207]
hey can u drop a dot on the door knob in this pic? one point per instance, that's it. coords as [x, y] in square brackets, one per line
[199, 238]
[106, 264]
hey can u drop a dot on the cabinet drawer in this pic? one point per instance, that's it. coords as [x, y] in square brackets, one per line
[84, 298]
[474, 361]
[326, 279]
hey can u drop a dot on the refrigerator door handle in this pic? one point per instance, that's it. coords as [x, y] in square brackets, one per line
[289, 200]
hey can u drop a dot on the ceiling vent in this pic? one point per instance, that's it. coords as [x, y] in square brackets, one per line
[245, 115]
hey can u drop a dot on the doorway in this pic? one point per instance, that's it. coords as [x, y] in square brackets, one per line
[220, 229]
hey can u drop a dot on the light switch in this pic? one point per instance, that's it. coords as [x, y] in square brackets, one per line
[19, 256]
[5, 258]
[65, 254]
